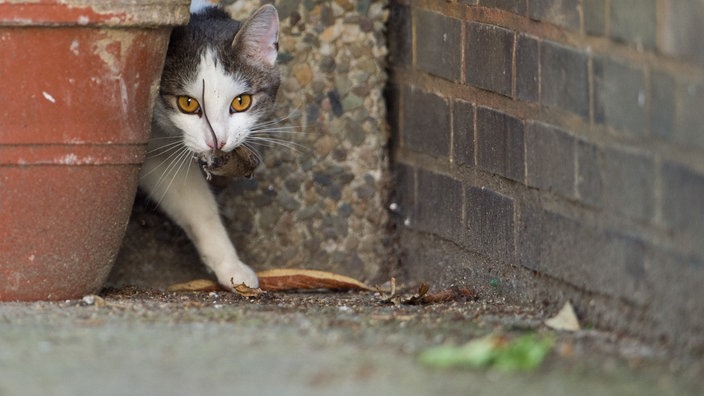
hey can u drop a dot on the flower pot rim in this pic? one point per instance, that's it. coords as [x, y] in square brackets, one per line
[100, 13]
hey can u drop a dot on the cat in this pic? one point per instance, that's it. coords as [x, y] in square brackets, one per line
[220, 79]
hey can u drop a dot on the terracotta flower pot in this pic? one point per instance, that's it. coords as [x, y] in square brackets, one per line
[77, 80]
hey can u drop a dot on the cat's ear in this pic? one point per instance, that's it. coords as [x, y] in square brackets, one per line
[259, 36]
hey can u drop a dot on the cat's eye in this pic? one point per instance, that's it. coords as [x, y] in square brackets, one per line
[241, 103]
[188, 104]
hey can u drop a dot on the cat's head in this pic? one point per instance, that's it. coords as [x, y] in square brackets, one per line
[220, 77]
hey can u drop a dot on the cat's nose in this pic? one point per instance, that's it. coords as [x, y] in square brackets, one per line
[217, 145]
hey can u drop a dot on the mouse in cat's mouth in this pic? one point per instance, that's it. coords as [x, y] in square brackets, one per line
[220, 166]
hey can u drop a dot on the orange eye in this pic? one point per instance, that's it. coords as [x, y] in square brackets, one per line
[188, 105]
[241, 103]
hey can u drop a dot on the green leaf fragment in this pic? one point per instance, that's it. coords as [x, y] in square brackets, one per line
[524, 353]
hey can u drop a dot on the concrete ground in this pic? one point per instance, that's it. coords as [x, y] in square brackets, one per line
[137, 342]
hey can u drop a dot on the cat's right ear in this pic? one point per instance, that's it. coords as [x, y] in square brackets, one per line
[259, 37]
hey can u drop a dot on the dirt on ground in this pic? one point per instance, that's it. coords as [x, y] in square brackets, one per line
[146, 341]
[402, 321]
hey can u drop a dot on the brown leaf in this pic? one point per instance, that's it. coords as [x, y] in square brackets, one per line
[246, 291]
[421, 297]
[451, 294]
[196, 285]
[418, 297]
[303, 279]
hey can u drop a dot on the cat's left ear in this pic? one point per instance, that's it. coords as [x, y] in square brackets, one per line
[259, 37]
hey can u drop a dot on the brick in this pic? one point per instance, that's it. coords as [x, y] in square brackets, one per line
[439, 45]
[463, 133]
[563, 13]
[426, 122]
[516, 6]
[662, 104]
[438, 208]
[594, 17]
[633, 21]
[400, 32]
[629, 183]
[564, 78]
[588, 257]
[500, 143]
[682, 30]
[689, 129]
[683, 202]
[527, 60]
[489, 57]
[619, 95]
[490, 223]
[447, 264]
[528, 234]
[589, 181]
[550, 159]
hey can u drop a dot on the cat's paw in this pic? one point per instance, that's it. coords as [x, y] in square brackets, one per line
[237, 274]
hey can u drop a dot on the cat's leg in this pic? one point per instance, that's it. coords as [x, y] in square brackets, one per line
[185, 196]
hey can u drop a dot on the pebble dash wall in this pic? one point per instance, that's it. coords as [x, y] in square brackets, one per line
[553, 150]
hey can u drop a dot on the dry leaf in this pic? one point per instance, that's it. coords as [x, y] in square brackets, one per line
[281, 280]
[564, 320]
[392, 291]
[302, 279]
[196, 285]
[418, 298]
[392, 297]
[451, 294]
[246, 291]
[422, 296]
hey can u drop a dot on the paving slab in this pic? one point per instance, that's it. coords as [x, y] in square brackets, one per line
[137, 342]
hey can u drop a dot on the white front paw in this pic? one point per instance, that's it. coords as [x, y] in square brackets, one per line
[237, 274]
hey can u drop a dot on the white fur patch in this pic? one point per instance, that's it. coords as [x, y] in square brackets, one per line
[198, 5]
[221, 88]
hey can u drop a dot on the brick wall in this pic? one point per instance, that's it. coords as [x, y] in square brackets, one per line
[553, 150]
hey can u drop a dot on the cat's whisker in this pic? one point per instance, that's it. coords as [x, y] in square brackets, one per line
[170, 164]
[279, 129]
[273, 121]
[154, 138]
[274, 142]
[267, 123]
[255, 151]
[269, 137]
[189, 162]
[287, 106]
[164, 148]
[167, 167]
[174, 152]
[173, 169]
